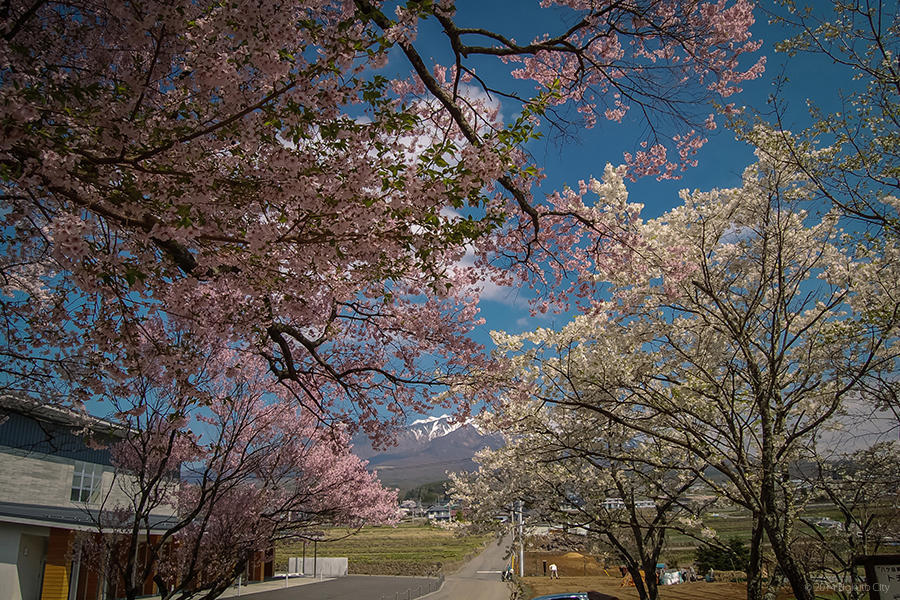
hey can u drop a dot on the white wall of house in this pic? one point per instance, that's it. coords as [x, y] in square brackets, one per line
[22, 552]
[9, 556]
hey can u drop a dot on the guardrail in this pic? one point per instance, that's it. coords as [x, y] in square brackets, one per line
[417, 591]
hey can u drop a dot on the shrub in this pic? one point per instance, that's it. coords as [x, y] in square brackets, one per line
[733, 556]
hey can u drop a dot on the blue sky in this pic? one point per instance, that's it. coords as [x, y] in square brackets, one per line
[721, 161]
[796, 79]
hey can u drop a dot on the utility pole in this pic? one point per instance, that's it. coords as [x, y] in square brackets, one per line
[512, 525]
[521, 542]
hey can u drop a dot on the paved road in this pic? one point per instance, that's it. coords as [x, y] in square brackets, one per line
[351, 587]
[479, 579]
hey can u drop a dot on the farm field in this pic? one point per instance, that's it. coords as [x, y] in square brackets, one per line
[737, 523]
[581, 573]
[536, 586]
[407, 549]
[612, 586]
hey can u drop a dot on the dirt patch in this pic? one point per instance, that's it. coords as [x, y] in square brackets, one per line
[569, 564]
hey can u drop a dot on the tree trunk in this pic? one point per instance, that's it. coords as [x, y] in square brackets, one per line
[639, 583]
[793, 572]
[652, 585]
[775, 517]
[755, 579]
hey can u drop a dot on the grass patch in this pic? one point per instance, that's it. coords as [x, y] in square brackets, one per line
[407, 549]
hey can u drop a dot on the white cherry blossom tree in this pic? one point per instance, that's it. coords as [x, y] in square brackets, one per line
[580, 471]
[736, 327]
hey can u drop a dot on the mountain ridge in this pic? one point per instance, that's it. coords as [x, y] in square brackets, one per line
[425, 451]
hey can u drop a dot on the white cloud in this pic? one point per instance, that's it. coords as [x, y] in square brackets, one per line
[450, 214]
[486, 288]
[859, 426]
[498, 293]
[736, 233]
[482, 111]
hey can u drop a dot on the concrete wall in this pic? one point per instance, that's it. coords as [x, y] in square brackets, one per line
[323, 567]
[35, 478]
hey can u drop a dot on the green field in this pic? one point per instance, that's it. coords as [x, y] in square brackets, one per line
[407, 549]
[730, 523]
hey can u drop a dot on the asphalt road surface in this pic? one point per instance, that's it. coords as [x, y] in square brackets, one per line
[479, 579]
[351, 587]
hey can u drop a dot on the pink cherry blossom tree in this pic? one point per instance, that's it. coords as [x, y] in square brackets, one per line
[183, 177]
[223, 477]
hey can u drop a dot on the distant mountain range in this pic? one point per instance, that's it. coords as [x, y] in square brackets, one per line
[426, 450]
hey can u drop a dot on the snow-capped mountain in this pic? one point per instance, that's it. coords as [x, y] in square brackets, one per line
[425, 451]
[425, 430]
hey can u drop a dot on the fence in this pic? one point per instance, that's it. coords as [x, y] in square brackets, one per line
[416, 591]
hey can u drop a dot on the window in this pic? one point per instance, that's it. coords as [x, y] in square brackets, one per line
[86, 482]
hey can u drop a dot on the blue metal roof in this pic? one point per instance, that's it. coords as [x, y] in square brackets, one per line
[66, 516]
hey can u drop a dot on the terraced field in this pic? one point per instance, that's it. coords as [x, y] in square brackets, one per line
[408, 549]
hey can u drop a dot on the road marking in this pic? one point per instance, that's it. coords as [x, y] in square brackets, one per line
[484, 572]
